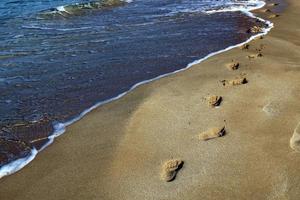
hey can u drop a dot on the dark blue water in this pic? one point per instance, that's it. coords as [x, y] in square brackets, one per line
[57, 61]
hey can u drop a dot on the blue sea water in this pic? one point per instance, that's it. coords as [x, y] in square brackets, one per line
[60, 57]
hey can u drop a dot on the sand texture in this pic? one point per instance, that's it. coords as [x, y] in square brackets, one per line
[117, 152]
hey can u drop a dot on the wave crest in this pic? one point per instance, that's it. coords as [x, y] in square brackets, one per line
[67, 11]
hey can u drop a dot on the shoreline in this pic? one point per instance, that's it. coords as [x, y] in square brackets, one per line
[116, 151]
[60, 128]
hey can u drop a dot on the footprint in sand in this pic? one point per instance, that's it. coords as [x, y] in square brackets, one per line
[245, 46]
[212, 133]
[170, 169]
[272, 108]
[273, 4]
[234, 82]
[233, 65]
[258, 55]
[214, 100]
[273, 16]
[266, 10]
[295, 139]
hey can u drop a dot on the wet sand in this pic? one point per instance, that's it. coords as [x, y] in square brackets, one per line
[117, 151]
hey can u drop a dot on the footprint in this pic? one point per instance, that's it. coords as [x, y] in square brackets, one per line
[233, 65]
[273, 16]
[295, 139]
[266, 10]
[258, 55]
[214, 100]
[234, 82]
[170, 169]
[245, 46]
[259, 38]
[273, 4]
[212, 133]
[272, 108]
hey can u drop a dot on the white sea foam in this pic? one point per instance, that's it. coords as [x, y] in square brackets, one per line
[243, 6]
[59, 128]
[64, 9]
[56, 29]
[61, 8]
[18, 164]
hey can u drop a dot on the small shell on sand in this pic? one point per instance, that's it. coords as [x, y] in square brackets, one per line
[295, 139]
[233, 66]
[245, 46]
[170, 169]
[214, 100]
[258, 55]
[237, 81]
[212, 133]
[273, 16]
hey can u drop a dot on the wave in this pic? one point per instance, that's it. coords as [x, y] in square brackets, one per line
[188, 6]
[67, 11]
[243, 6]
[18, 164]
[59, 128]
[56, 29]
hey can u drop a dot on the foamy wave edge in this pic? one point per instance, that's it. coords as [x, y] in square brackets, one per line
[59, 128]
[63, 7]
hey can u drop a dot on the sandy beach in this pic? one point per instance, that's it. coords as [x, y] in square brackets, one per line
[117, 150]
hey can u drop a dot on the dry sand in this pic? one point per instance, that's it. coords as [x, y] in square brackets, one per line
[116, 151]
